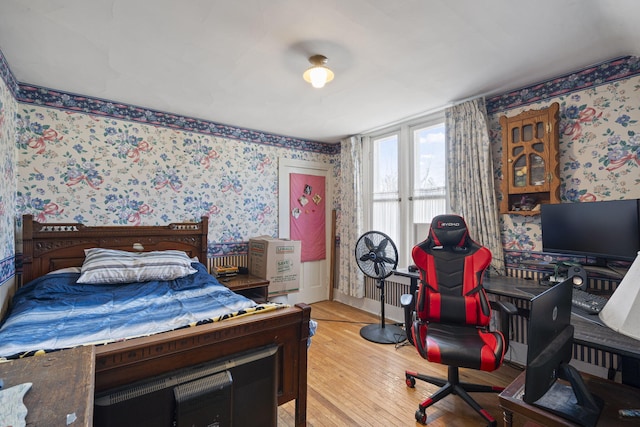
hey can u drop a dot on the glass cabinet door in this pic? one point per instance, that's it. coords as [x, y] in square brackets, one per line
[530, 160]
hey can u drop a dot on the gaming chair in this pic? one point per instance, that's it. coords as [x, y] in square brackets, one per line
[452, 313]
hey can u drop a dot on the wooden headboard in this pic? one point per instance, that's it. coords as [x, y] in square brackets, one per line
[47, 247]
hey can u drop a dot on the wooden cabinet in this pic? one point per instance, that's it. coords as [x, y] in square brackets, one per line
[530, 161]
[249, 286]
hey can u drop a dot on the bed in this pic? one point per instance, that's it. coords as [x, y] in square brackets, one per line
[53, 247]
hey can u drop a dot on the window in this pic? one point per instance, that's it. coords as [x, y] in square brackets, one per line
[407, 176]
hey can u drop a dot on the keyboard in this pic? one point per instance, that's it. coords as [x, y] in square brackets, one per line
[590, 303]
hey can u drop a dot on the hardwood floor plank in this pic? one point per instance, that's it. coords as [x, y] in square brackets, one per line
[354, 382]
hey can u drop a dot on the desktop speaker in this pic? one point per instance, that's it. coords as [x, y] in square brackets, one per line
[578, 276]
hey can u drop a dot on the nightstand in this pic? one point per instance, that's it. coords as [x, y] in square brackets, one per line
[247, 285]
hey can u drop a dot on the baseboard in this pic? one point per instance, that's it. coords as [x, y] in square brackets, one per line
[392, 313]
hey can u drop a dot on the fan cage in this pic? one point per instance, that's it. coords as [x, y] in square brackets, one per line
[376, 254]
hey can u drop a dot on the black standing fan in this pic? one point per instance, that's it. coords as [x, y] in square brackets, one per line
[377, 257]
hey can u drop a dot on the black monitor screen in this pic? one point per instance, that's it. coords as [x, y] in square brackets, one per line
[550, 342]
[549, 339]
[604, 230]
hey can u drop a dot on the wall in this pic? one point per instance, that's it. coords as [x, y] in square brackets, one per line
[104, 171]
[84, 159]
[8, 106]
[599, 160]
[599, 143]
[599, 157]
[79, 159]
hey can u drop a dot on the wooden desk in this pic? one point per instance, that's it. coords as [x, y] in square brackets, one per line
[586, 332]
[616, 396]
[249, 286]
[589, 331]
[63, 384]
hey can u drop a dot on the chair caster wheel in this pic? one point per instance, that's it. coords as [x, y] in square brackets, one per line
[411, 381]
[421, 416]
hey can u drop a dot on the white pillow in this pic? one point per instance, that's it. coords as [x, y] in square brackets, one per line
[114, 266]
[66, 270]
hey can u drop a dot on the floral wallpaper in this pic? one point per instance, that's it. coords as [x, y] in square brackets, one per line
[8, 107]
[599, 144]
[95, 161]
[103, 171]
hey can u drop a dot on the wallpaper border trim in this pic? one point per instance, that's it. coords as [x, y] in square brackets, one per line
[8, 77]
[7, 269]
[41, 96]
[36, 95]
[596, 75]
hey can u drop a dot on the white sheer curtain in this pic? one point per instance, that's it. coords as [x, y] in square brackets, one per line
[470, 175]
[351, 280]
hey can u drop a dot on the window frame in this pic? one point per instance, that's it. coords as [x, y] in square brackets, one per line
[406, 147]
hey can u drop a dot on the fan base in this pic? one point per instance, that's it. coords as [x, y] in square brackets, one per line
[389, 334]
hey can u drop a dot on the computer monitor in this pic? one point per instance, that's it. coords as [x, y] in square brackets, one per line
[550, 343]
[602, 231]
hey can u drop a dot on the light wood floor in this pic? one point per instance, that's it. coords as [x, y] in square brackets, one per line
[354, 382]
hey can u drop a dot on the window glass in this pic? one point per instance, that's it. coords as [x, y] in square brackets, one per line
[386, 165]
[408, 182]
[385, 210]
[429, 177]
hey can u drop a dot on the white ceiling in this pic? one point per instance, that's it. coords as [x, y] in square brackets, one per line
[240, 62]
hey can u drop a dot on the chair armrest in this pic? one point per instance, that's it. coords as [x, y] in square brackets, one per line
[406, 301]
[506, 310]
[504, 307]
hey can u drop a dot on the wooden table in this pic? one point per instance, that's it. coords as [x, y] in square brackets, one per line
[252, 287]
[616, 396]
[588, 330]
[63, 386]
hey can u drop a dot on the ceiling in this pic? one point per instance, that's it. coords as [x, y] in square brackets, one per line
[240, 63]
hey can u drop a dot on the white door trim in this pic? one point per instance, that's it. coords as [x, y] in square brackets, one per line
[285, 167]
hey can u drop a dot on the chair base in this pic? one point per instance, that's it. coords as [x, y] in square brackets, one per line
[451, 385]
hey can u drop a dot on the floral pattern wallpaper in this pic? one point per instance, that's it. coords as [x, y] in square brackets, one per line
[8, 107]
[65, 157]
[599, 146]
[77, 167]
[68, 158]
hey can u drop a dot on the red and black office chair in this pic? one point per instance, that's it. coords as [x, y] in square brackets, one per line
[452, 313]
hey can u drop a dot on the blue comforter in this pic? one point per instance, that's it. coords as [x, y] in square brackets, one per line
[54, 312]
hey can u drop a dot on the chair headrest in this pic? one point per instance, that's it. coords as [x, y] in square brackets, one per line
[449, 231]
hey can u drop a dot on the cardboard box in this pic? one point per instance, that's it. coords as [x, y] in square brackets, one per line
[278, 261]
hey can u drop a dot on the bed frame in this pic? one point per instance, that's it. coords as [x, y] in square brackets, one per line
[47, 247]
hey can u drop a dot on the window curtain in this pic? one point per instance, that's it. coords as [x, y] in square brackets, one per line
[470, 175]
[351, 278]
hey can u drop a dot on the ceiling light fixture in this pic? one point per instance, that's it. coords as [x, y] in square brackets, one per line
[318, 74]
